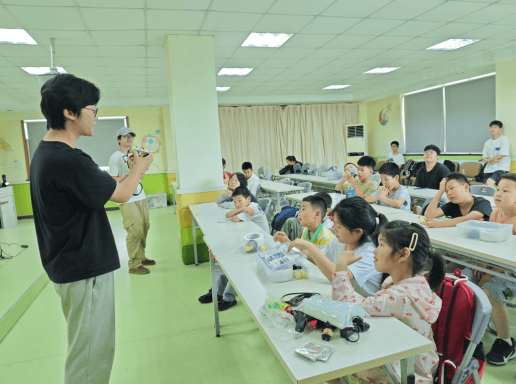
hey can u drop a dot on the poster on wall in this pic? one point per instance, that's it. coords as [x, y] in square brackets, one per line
[383, 118]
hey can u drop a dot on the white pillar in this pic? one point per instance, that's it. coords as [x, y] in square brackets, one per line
[194, 111]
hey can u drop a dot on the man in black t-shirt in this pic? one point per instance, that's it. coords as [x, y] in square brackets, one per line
[462, 206]
[433, 172]
[76, 244]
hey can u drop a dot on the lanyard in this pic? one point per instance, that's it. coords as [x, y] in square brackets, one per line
[319, 228]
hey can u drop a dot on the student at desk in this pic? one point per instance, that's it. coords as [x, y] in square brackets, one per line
[433, 172]
[225, 200]
[392, 194]
[362, 187]
[499, 290]
[462, 206]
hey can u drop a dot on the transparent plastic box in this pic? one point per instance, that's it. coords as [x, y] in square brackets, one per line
[484, 230]
[276, 265]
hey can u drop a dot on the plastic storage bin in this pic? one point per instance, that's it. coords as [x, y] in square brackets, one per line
[157, 200]
[276, 265]
[484, 230]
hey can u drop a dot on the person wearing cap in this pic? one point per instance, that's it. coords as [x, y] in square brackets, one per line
[135, 212]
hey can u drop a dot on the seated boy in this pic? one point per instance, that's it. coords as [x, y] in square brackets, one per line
[253, 181]
[500, 290]
[364, 186]
[311, 216]
[462, 206]
[433, 172]
[392, 193]
[349, 166]
[245, 210]
[236, 180]
[293, 228]
[395, 156]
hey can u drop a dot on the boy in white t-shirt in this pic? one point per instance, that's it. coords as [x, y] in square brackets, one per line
[395, 156]
[496, 154]
[135, 212]
[253, 181]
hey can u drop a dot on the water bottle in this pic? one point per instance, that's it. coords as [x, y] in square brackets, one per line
[351, 190]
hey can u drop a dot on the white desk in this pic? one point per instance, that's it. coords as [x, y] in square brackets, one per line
[298, 197]
[278, 189]
[425, 193]
[317, 180]
[387, 339]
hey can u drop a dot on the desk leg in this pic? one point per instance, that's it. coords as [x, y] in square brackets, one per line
[194, 242]
[174, 199]
[214, 274]
[407, 370]
[278, 197]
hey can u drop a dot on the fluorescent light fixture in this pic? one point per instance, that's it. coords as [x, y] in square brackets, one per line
[16, 36]
[380, 70]
[266, 39]
[336, 87]
[452, 44]
[41, 70]
[223, 89]
[234, 71]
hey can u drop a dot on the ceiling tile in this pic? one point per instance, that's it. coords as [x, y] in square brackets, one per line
[7, 20]
[373, 27]
[48, 17]
[451, 10]
[251, 77]
[451, 30]
[230, 21]
[73, 38]
[419, 43]
[9, 50]
[122, 51]
[267, 71]
[251, 6]
[486, 31]
[153, 51]
[414, 28]
[80, 70]
[300, 7]
[329, 25]
[311, 63]
[484, 45]
[353, 8]
[74, 51]
[82, 61]
[490, 14]
[102, 19]
[4, 63]
[348, 41]
[157, 71]
[343, 63]
[405, 9]
[129, 70]
[59, 3]
[178, 20]
[252, 53]
[32, 62]
[156, 62]
[128, 62]
[297, 71]
[118, 37]
[226, 81]
[385, 42]
[324, 71]
[395, 54]
[223, 52]
[108, 4]
[194, 5]
[362, 53]
[243, 63]
[423, 55]
[291, 53]
[124, 78]
[226, 39]
[281, 23]
[328, 53]
[157, 37]
[300, 40]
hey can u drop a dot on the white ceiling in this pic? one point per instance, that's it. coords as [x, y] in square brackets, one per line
[119, 46]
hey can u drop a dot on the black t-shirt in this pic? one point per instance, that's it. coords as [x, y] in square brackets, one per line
[479, 205]
[68, 193]
[433, 178]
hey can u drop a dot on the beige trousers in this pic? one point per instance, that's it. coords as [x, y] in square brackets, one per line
[136, 222]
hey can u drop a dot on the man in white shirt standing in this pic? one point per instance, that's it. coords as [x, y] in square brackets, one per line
[135, 212]
[395, 156]
[496, 154]
[253, 181]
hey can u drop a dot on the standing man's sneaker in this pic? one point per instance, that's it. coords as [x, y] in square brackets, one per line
[501, 352]
[223, 304]
[148, 262]
[141, 270]
[208, 298]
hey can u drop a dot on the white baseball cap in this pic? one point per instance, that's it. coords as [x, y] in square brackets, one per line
[124, 131]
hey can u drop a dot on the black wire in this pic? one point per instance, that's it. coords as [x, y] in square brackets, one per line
[23, 248]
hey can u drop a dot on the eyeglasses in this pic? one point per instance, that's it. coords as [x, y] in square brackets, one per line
[128, 136]
[430, 152]
[94, 111]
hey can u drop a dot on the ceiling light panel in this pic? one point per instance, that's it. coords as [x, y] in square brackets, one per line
[16, 36]
[234, 71]
[273, 40]
[380, 70]
[336, 86]
[41, 70]
[452, 44]
[223, 89]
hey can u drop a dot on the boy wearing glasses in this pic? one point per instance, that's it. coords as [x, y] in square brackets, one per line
[76, 244]
[432, 173]
[135, 212]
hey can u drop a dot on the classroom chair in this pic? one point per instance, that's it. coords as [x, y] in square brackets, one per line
[305, 169]
[443, 200]
[261, 174]
[470, 170]
[484, 190]
[307, 186]
[267, 174]
[297, 168]
[265, 205]
[322, 169]
[469, 365]
[380, 163]
[457, 166]
[313, 169]
[376, 177]
[285, 180]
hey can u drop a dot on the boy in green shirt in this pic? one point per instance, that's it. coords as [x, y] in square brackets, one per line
[364, 186]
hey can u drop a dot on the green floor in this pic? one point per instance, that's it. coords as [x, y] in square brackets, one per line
[163, 334]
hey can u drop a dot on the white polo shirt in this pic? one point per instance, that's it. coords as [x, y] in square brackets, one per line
[500, 146]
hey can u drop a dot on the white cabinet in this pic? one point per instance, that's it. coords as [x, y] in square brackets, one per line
[8, 216]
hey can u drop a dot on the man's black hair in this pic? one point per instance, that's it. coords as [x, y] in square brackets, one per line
[247, 165]
[434, 148]
[66, 91]
[390, 169]
[317, 203]
[395, 142]
[496, 122]
[326, 197]
[461, 179]
[223, 161]
[367, 161]
[241, 191]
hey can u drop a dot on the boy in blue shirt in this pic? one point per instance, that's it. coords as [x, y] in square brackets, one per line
[392, 193]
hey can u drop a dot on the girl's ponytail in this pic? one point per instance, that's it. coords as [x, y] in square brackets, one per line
[437, 273]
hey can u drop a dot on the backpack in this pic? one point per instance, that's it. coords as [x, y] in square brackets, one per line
[480, 177]
[449, 164]
[452, 329]
[282, 216]
[407, 168]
